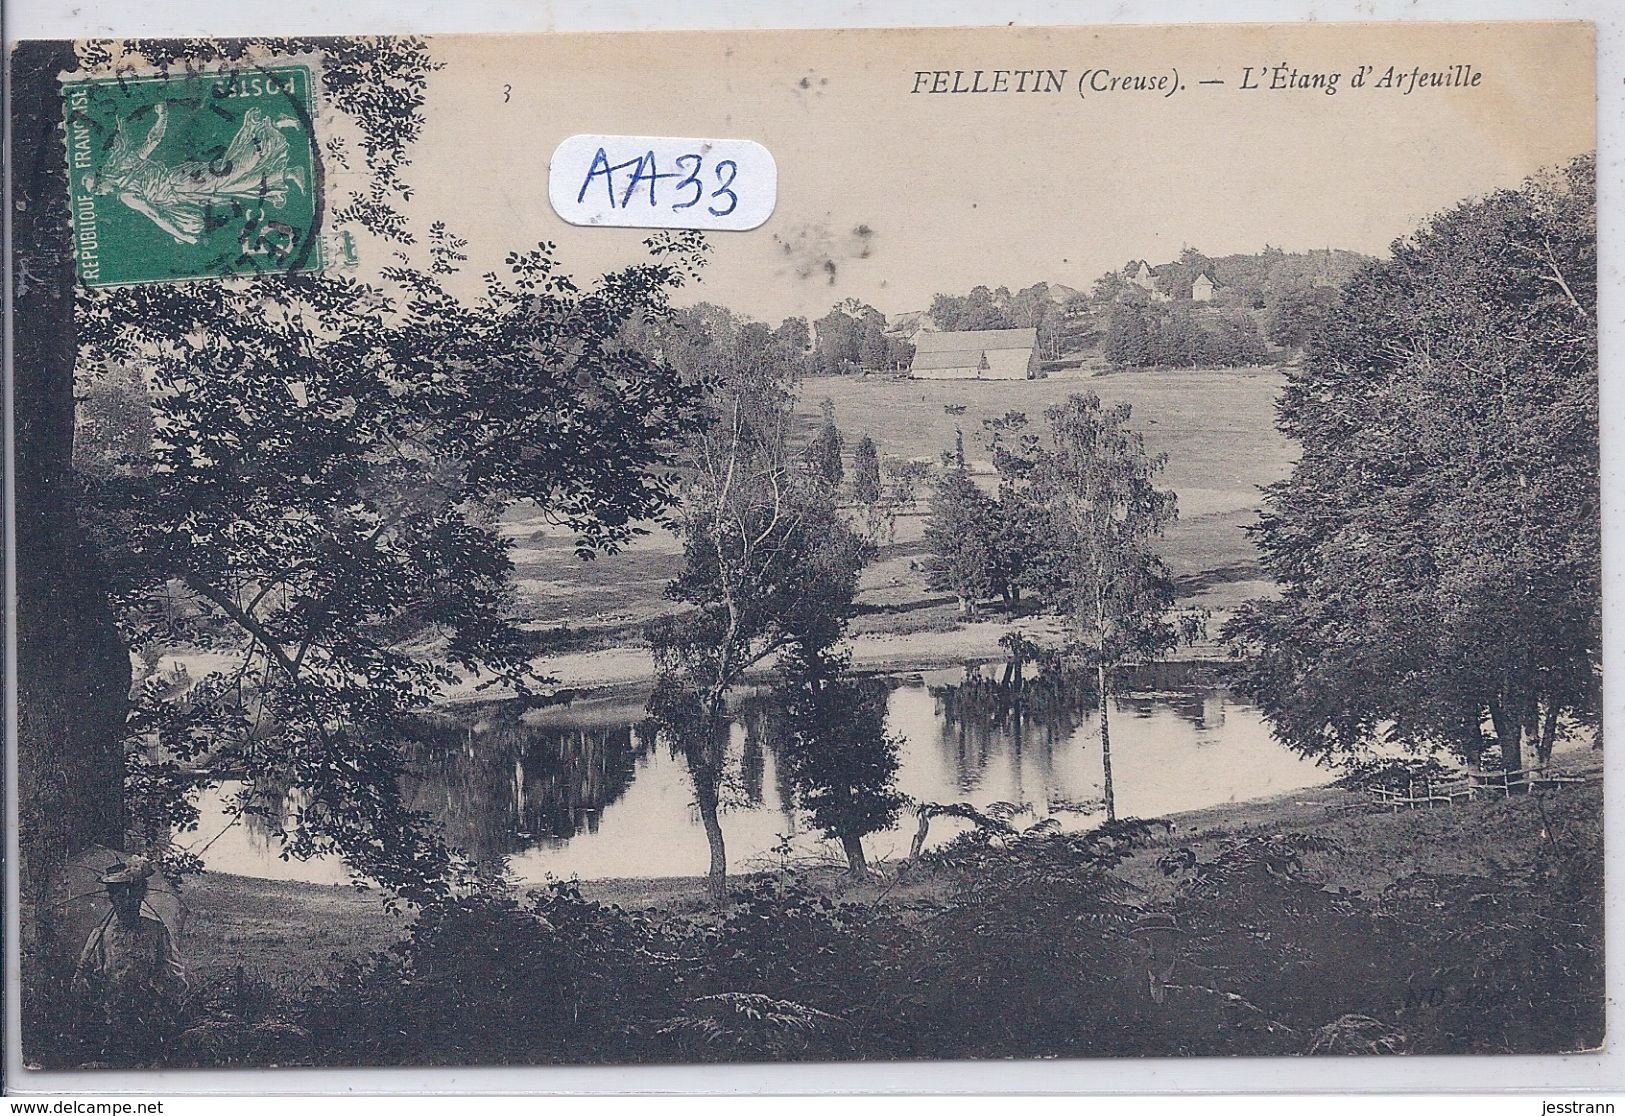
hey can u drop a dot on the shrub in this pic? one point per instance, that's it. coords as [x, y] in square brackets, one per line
[1393, 774]
[490, 979]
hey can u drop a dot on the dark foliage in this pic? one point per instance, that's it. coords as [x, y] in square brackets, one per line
[1393, 774]
[1142, 335]
[494, 979]
[841, 760]
[315, 492]
[866, 471]
[1039, 307]
[961, 538]
[1035, 943]
[769, 566]
[824, 454]
[1438, 542]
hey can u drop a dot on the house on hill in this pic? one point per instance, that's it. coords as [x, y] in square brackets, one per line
[1144, 276]
[976, 354]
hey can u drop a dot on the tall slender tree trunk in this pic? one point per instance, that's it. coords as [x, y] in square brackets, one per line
[852, 845]
[1472, 733]
[707, 791]
[917, 846]
[1531, 727]
[1548, 732]
[1106, 744]
[716, 879]
[1509, 734]
[73, 672]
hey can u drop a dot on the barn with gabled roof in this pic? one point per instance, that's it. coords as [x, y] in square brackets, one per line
[976, 354]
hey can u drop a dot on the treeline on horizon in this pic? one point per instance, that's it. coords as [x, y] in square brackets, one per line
[1265, 307]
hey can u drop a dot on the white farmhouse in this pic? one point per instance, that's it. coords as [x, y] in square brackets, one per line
[976, 354]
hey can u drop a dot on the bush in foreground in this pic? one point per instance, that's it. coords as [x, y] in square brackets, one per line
[1015, 943]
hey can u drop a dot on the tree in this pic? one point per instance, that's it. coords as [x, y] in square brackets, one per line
[73, 670]
[1179, 341]
[1299, 315]
[1021, 534]
[696, 340]
[842, 761]
[835, 346]
[328, 463]
[1052, 334]
[866, 471]
[1098, 484]
[871, 345]
[794, 335]
[326, 482]
[903, 477]
[1114, 286]
[878, 507]
[957, 457]
[1231, 340]
[768, 568]
[899, 353]
[960, 538]
[824, 454]
[1175, 279]
[1129, 336]
[1438, 542]
[1033, 306]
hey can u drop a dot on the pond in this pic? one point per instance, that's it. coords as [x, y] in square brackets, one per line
[592, 790]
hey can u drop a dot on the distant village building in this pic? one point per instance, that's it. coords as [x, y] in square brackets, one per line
[976, 354]
[1072, 302]
[906, 326]
[1144, 276]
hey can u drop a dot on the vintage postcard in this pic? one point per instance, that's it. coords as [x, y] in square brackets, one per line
[808, 546]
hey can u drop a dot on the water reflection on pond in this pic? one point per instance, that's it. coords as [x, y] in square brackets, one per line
[592, 790]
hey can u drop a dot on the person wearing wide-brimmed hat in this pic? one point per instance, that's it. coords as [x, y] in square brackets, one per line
[130, 973]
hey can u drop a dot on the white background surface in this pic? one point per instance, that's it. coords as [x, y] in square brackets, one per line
[677, 183]
[1547, 1076]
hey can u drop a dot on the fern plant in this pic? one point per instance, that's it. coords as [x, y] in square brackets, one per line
[745, 1024]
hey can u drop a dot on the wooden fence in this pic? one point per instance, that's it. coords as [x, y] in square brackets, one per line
[1474, 784]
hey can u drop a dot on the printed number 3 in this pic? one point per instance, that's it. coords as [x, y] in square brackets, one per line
[732, 169]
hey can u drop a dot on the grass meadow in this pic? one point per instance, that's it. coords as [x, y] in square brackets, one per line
[1217, 428]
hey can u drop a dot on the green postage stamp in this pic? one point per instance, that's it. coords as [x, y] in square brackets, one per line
[194, 175]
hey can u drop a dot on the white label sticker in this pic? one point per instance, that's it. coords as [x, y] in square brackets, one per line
[662, 182]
